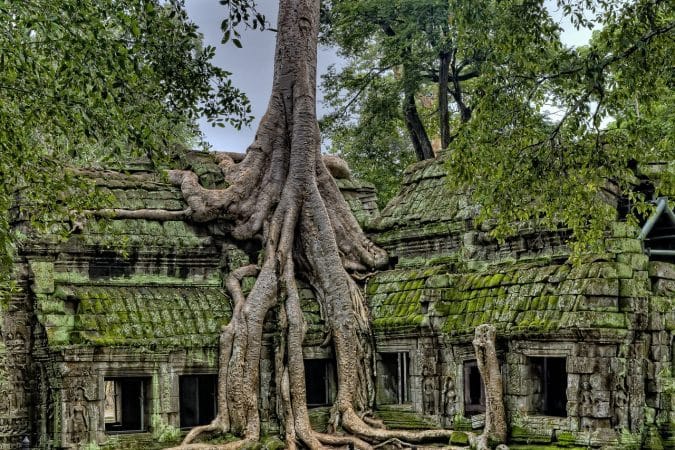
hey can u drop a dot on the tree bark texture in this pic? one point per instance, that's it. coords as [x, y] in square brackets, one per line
[495, 430]
[282, 194]
[413, 122]
[443, 113]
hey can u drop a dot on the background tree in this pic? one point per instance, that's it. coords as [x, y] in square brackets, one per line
[551, 142]
[534, 140]
[376, 145]
[414, 65]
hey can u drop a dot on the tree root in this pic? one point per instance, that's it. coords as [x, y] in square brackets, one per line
[234, 445]
[338, 440]
[215, 426]
[146, 214]
[282, 190]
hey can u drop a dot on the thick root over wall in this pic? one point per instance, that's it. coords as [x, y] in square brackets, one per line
[283, 195]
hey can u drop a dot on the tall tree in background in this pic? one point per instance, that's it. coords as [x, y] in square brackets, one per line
[532, 136]
[414, 65]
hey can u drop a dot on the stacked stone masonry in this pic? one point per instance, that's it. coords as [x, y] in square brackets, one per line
[137, 305]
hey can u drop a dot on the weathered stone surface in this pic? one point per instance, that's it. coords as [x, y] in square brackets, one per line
[144, 299]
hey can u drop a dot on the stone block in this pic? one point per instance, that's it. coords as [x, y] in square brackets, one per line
[573, 287]
[623, 270]
[661, 269]
[516, 358]
[572, 408]
[578, 364]
[656, 321]
[663, 287]
[599, 303]
[617, 365]
[602, 287]
[43, 276]
[568, 302]
[601, 410]
[623, 245]
[633, 288]
[606, 351]
[518, 382]
[438, 281]
[635, 261]
[598, 383]
[623, 230]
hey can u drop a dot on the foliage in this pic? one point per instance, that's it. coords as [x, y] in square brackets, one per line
[85, 82]
[552, 133]
[375, 147]
[396, 48]
[561, 169]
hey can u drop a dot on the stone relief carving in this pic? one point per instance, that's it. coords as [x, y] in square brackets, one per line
[620, 407]
[449, 397]
[586, 400]
[429, 391]
[428, 388]
[16, 395]
[79, 417]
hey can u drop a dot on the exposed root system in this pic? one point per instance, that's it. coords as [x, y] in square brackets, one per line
[282, 193]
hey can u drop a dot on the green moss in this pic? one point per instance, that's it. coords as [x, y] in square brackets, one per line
[652, 439]
[522, 435]
[43, 276]
[91, 446]
[461, 423]
[565, 438]
[273, 443]
[396, 417]
[459, 438]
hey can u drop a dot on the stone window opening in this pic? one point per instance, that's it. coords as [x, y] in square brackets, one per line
[549, 389]
[474, 389]
[197, 399]
[126, 404]
[393, 378]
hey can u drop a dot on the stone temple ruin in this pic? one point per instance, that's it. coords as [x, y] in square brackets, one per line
[111, 340]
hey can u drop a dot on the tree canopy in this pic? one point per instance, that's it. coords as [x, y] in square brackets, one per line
[539, 130]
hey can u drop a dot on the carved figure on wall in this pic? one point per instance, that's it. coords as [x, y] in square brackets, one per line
[620, 408]
[16, 395]
[586, 403]
[79, 421]
[450, 400]
[428, 390]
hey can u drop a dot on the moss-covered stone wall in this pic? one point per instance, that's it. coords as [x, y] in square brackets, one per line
[607, 318]
[145, 299]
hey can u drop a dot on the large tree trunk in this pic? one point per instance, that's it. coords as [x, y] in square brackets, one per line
[283, 194]
[413, 122]
[443, 113]
[484, 345]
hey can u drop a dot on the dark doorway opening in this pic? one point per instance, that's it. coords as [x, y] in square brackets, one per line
[126, 400]
[319, 380]
[474, 389]
[197, 399]
[550, 386]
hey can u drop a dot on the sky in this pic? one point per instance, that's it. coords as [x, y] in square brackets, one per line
[251, 66]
